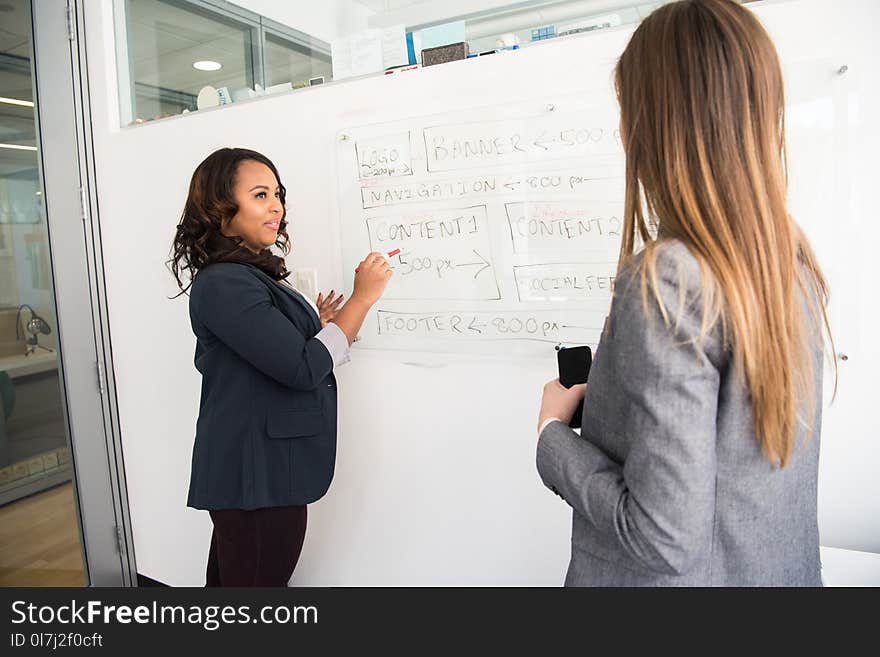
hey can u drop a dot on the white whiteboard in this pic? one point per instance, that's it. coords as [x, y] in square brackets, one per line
[508, 220]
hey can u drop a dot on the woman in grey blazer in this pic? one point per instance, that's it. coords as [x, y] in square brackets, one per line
[265, 442]
[698, 454]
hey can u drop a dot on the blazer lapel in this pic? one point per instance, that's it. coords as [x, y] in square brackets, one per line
[316, 321]
[298, 298]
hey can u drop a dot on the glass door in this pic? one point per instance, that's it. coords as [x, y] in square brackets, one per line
[38, 509]
[63, 505]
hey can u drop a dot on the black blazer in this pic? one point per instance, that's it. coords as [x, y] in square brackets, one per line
[266, 433]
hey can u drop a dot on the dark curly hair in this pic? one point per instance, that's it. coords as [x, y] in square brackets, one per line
[199, 240]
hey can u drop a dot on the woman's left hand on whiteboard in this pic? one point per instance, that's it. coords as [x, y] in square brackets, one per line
[327, 306]
[559, 401]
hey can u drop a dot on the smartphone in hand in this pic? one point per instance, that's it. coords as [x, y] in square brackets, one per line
[574, 367]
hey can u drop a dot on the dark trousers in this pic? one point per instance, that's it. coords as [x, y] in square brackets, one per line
[255, 548]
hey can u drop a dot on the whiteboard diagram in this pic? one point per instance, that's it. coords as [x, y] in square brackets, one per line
[508, 220]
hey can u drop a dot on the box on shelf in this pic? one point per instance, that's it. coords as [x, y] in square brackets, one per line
[10, 345]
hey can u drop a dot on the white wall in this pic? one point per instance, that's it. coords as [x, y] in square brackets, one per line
[435, 480]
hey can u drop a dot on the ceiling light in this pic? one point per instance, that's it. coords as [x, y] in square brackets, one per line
[207, 65]
[16, 101]
[17, 147]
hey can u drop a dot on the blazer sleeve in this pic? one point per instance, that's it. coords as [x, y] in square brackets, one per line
[658, 506]
[239, 311]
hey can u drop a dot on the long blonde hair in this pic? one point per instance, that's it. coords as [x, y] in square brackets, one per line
[701, 101]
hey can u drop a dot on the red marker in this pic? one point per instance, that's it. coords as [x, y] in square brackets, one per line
[391, 254]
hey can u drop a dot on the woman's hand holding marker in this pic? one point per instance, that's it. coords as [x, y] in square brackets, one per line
[371, 277]
[391, 254]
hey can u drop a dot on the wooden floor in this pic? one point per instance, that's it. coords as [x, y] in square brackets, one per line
[39, 541]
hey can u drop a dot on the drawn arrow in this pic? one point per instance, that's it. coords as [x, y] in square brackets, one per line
[512, 185]
[485, 264]
[473, 323]
[406, 169]
[540, 141]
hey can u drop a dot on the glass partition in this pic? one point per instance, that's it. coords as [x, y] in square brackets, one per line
[296, 63]
[176, 49]
[179, 56]
[38, 509]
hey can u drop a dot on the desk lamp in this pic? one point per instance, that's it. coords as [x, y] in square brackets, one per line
[35, 325]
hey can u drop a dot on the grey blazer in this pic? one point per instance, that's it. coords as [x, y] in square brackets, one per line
[667, 481]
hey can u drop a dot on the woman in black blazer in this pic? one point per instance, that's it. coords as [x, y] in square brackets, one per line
[265, 442]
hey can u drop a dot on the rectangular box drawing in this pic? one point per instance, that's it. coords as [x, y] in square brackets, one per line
[384, 157]
[604, 185]
[444, 254]
[571, 281]
[519, 141]
[560, 226]
[541, 325]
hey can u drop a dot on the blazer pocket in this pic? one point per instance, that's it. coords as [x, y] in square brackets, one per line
[294, 424]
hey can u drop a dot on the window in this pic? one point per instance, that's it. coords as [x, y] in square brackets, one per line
[297, 63]
[176, 48]
[179, 56]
